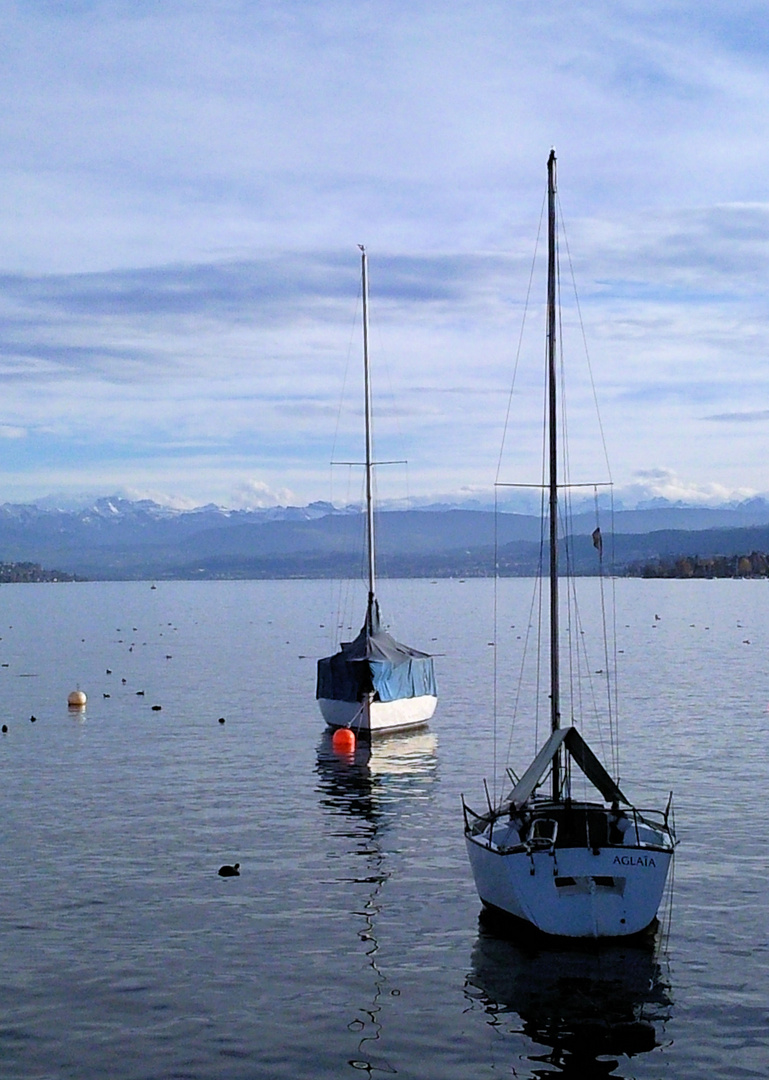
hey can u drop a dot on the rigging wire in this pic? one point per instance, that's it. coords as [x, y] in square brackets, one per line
[543, 502]
[340, 595]
[576, 645]
[587, 351]
[615, 653]
[497, 481]
[384, 368]
[536, 601]
[580, 667]
[609, 702]
[495, 649]
[520, 337]
[613, 684]
[565, 507]
[353, 328]
[342, 612]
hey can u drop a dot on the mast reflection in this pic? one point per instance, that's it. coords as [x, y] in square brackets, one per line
[587, 1008]
[366, 789]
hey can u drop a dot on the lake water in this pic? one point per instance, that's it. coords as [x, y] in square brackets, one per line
[351, 940]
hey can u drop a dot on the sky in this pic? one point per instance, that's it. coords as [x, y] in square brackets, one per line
[185, 185]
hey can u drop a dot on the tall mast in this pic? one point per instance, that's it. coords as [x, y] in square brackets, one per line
[555, 705]
[370, 620]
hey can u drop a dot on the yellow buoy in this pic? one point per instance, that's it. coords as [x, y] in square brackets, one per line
[343, 741]
[77, 699]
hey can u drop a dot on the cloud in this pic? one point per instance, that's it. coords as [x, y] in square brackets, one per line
[256, 364]
[184, 186]
[256, 495]
[653, 484]
[756, 416]
[183, 131]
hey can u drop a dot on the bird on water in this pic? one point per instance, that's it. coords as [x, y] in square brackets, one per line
[230, 871]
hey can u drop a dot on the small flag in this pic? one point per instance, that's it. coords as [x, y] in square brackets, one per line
[598, 541]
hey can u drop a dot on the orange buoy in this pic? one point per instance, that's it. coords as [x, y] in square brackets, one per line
[77, 699]
[343, 740]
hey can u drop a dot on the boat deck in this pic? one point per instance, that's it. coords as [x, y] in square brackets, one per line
[562, 825]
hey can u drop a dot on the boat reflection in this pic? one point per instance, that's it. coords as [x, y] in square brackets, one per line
[369, 788]
[584, 1008]
[370, 781]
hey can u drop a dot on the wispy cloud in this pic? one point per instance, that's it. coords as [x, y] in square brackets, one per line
[757, 416]
[184, 186]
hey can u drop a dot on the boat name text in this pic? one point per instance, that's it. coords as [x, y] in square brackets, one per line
[635, 860]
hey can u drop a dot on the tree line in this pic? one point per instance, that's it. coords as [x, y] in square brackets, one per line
[754, 565]
[13, 572]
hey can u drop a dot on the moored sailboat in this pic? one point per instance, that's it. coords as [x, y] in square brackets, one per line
[374, 683]
[571, 867]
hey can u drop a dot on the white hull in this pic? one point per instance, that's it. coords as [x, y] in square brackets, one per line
[573, 892]
[378, 716]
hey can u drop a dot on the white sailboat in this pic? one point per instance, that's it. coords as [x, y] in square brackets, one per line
[569, 867]
[374, 683]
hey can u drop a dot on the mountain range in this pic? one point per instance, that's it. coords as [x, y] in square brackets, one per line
[116, 538]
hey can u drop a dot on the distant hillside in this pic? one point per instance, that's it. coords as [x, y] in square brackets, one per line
[116, 539]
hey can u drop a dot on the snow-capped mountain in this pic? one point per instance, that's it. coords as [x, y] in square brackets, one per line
[115, 537]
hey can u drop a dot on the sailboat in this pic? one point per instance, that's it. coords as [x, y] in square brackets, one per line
[374, 684]
[570, 867]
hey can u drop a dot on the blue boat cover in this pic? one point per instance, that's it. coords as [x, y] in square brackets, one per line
[375, 662]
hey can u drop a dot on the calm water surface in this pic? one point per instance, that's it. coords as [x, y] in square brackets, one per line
[351, 941]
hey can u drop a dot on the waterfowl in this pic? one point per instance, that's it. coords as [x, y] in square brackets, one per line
[229, 871]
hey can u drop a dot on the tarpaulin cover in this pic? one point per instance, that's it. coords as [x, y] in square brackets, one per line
[376, 662]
